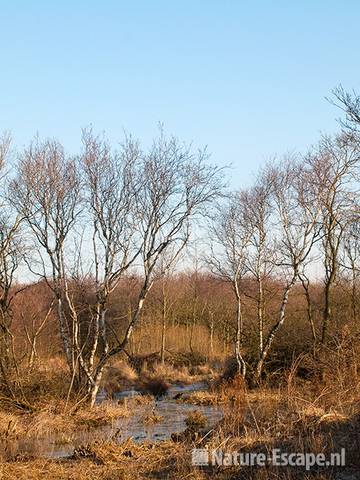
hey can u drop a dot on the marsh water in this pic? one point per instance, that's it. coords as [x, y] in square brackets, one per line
[172, 415]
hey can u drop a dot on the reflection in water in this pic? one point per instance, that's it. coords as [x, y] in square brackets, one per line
[172, 415]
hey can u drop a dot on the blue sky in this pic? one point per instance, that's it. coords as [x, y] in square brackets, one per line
[246, 78]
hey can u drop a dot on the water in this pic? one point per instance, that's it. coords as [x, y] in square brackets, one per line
[173, 421]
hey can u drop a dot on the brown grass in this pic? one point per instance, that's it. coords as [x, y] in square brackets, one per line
[110, 461]
[303, 412]
[151, 418]
[55, 419]
[196, 420]
[179, 374]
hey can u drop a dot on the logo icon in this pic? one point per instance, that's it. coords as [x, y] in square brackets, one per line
[200, 457]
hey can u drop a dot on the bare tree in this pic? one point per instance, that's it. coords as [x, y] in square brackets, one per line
[305, 282]
[334, 168]
[112, 184]
[349, 103]
[10, 257]
[46, 193]
[257, 210]
[177, 186]
[166, 298]
[296, 216]
[137, 209]
[350, 262]
[231, 236]
[34, 330]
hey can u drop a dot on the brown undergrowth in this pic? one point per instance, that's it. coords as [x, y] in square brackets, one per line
[314, 408]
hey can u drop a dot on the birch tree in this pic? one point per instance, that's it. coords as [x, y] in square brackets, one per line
[334, 166]
[231, 236]
[11, 251]
[257, 211]
[350, 262]
[177, 187]
[46, 193]
[111, 186]
[296, 212]
[122, 209]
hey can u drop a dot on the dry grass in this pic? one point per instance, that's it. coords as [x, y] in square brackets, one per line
[177, 340]
[298, 416]
[151, 418]
[55, 419]
[308, 413]
[219, 393]
[196, 420]
[264, 420]
[179, 374]
[128, 461]
[119, 375]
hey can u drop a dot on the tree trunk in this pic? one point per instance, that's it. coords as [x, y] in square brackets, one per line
[261, 315]
[305, 283]
[273, 332]
[239, 330]
[94, 389]
[163, 332]
[354, 295]
[327, 309]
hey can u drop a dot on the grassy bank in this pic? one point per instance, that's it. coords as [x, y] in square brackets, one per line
[314, 407]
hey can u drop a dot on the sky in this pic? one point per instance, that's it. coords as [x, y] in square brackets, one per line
[246, 78]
